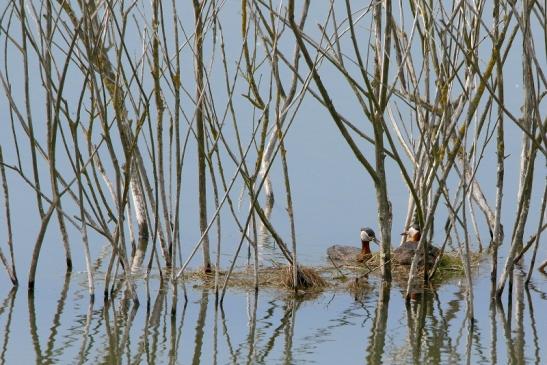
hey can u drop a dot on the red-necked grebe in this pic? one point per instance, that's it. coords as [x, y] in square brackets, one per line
[404, 254]
[351, 253]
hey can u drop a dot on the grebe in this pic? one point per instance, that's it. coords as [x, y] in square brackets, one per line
[351, 253]
[404, 254]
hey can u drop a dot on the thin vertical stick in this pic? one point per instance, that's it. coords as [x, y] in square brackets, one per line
[52, 117]
[159, 132]
[200, 126]
[83, 229]
[38, 245]
[22, 8]
[538, 234]
[12, 272]
[466, 255]
[474, 221]
[290, 210]
[497, 235]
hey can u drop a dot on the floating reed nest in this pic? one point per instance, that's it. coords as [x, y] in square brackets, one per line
[306, 278]
[449, 266]
[348, 276]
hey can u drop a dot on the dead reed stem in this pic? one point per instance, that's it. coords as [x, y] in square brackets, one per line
[10, 267]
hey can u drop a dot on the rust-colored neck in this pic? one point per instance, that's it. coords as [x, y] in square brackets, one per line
[365, 247]
[415, 238]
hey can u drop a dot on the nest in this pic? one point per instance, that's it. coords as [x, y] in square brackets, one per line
[306, 278]
[450, 265]
[348, 276]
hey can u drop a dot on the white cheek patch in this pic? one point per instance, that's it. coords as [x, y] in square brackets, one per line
[412, 231]
[365, 236]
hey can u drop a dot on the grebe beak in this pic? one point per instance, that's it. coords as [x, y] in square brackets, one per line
[404, 233]
[375, 240]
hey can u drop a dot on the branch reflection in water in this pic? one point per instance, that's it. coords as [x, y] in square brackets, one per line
[270, 326]
[7, 310]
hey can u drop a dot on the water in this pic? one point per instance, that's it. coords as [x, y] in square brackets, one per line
[60, 325]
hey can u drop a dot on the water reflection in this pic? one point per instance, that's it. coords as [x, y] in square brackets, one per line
[7, 307]
[428, 330]
[377, 338]
[533, 326]
[493, 327]
[373, 326]
[200, 325]
[506, 324]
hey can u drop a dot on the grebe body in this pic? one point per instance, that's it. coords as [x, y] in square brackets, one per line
[352, 253]
[404, 254]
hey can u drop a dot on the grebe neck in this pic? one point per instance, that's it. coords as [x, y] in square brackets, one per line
[415, 238]
[365, 247]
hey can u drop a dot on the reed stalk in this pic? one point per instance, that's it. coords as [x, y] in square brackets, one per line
[10, 267]
[200, 127]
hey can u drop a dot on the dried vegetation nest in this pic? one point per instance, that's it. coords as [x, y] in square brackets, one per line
[350, 276]
[308, 278]
[450, 265]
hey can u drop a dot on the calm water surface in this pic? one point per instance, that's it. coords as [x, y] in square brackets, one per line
[59, 325]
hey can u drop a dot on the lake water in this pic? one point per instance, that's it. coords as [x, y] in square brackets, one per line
[59, 325]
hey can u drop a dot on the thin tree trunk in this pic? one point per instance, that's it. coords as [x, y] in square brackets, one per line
[200, 127]
[52, 127]
[381, 73]
[497, 235]
[156, 73]
[140, 213]
[466, 254]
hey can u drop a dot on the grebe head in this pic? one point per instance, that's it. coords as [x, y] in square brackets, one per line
[413, 233]
[367, 235]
